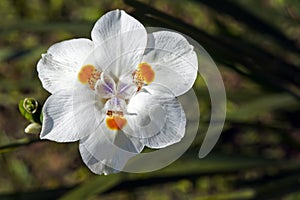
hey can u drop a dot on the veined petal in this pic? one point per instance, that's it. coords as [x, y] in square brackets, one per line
[157, 118]
[114, 23]
[105, 87]
[58, 120]
[96, 166]
[173, 60]
[106, 151]
[122, 39]
[88, 110]
[58, 68]
[69, 115]
[126, 87]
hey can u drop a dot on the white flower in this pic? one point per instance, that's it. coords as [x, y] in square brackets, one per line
[117, 93]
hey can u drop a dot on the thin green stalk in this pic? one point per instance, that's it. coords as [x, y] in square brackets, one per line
[19, 143]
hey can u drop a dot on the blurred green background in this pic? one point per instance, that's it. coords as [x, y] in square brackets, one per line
[256, 46]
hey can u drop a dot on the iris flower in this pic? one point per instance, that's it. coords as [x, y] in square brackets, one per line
[116, 93]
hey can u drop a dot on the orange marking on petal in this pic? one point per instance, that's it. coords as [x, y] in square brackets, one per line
[115, 122]
[146, 72]
[85, 73]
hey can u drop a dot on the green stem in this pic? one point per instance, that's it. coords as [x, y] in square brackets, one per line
[17, 144]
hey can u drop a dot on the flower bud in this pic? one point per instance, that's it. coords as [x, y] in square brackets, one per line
[30, 109]
[33, 128]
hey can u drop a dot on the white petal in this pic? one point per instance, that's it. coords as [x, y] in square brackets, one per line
[173, 60]
[113, 23]
[58, 68]
[87, 110]
[93, 164]
[122, 39]
[158, 120]
[70, 115]
[58, 121]
[107, 151]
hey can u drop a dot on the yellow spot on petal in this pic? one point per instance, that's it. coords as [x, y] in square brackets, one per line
[115, 122]
[146, 72]
[85, 73]
[89, 75]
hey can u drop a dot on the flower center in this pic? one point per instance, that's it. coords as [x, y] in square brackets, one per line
[116, 93]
